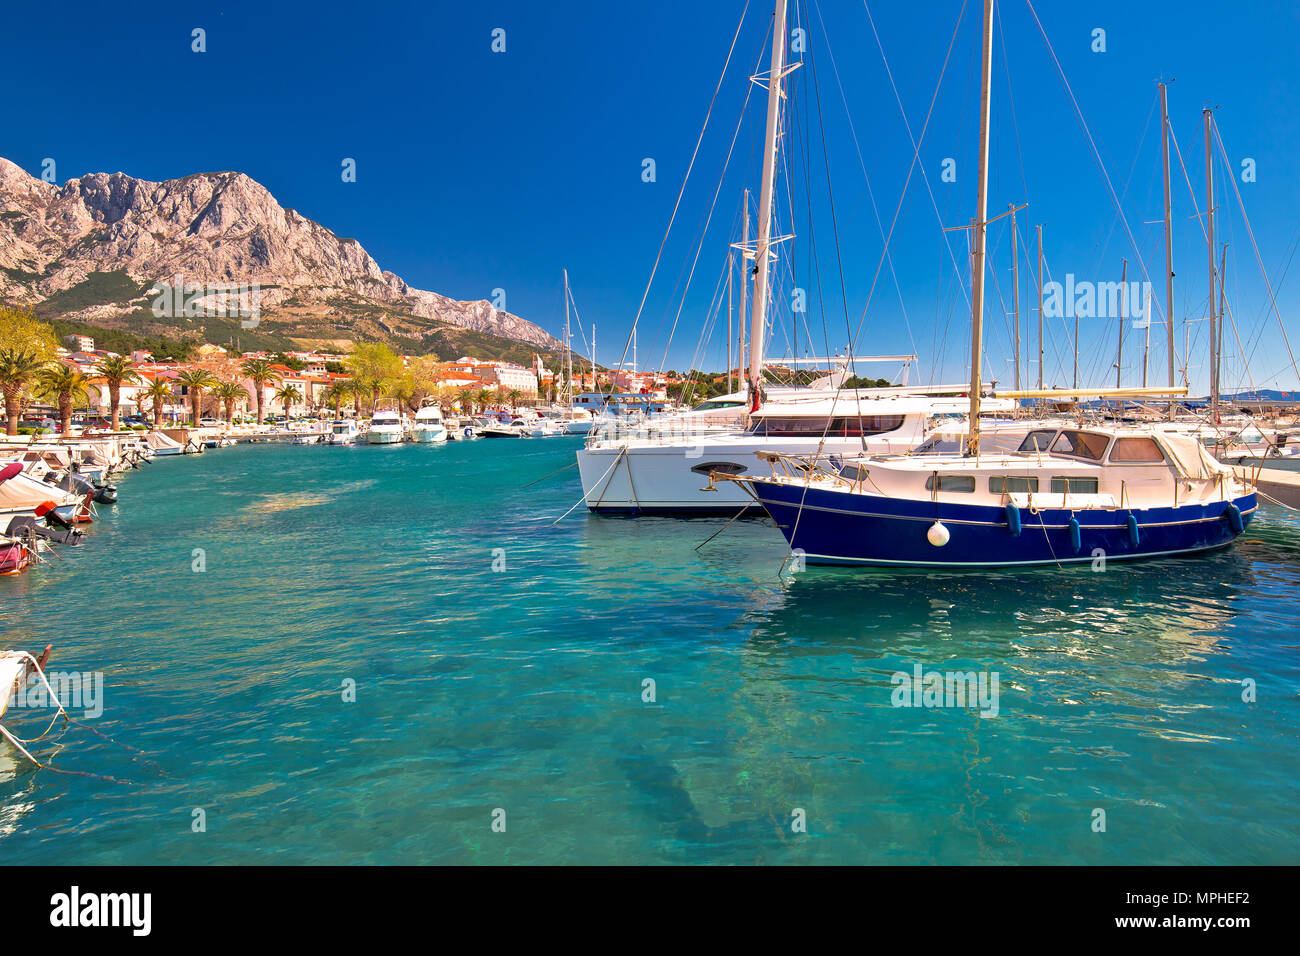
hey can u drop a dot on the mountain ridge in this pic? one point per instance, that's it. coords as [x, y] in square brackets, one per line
[90, 249]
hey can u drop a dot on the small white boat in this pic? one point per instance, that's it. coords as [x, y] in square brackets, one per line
[428, 425]
[385, 429]
[343, 432]
[163, 445]
[311, 438]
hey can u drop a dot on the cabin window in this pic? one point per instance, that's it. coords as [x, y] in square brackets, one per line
[1082, 444]
[962, 483]
[849, 426]
[1074, 486]
[1011, 485]
[1143, 450]
[1037, 440]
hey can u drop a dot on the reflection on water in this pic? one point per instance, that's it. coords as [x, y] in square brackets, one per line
[501, 661]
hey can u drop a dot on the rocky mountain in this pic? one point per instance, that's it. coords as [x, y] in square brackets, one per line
[91, 249]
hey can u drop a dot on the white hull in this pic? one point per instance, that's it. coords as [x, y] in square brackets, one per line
[428, 435]
[673, 478]
[382, 436]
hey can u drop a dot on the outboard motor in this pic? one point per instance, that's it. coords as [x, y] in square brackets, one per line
[106, 494]
[25, 526]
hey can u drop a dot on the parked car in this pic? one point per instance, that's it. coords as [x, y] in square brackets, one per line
[209, 423]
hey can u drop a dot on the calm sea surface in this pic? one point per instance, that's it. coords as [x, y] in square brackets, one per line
[521, 687]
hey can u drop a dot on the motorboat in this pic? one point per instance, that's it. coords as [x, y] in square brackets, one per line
[344, 432]
[428, 425]
[385, 429]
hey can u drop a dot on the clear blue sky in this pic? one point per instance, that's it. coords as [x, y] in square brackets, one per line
[479, 170]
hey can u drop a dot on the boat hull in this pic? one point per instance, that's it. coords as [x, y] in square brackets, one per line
[837, 527]
[428, 435]
[383, 437]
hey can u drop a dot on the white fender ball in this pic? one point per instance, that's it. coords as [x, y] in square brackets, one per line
[937, 535]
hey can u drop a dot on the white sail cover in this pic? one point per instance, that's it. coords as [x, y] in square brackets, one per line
[157, 440]
[1190, 457]
[22, 493]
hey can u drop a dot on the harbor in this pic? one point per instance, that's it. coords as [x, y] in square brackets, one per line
[523, 687]
[757, 434]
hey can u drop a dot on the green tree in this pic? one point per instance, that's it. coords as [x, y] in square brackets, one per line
[114, 370]
[259, 372]
[228, 393]
[66, 385]
[375, 366]
[196, 381]
[290, 396]
[159, 393]
[19, 369]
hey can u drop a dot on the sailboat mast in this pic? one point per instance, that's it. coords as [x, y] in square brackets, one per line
[731, 265]
[1146, 348]
[1169, 240]
[1015, 290]
[1123, 307]
[1039, 230]
[981, 226]
[568, 351]
[758, 321]
[1209, 244]
[744, 288]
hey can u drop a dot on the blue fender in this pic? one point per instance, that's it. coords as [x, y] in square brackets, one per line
[1076, 537]
[1133, 536]
[1233, 514]
[1013, 520]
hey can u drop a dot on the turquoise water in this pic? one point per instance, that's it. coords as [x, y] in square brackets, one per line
[522, 689]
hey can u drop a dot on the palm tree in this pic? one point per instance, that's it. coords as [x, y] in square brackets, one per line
[513, 396]
[484, 397]
[116, 369]
[159, 392]
[259, 372]
[228, 393]
[336, 393]
[195, 381]
[288, 394]
[18, 369]
[66, 385]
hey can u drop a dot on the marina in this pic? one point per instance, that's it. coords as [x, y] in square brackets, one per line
[930, 496]
[523, 687]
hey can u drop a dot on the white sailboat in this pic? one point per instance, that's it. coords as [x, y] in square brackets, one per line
[1069, 493]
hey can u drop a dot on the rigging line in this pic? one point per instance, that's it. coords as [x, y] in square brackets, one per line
[685, 179]
[1281, 278]
[699, 248]
[1092, 144]
[1011, 101]
[871, 194]
[1214, 128]
[916, 152]
[1128, 181]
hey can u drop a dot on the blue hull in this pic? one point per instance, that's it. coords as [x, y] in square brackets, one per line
[836, 527]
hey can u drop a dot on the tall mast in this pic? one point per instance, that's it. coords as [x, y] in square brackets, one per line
[1169, 240]
[1015, 290]
[1209, 244]
[1039, 230]
[758, 321]
[744, 287]
[1123, 302]
[1146, 349]
[568, 351]
[731, 265]
[981, 226]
